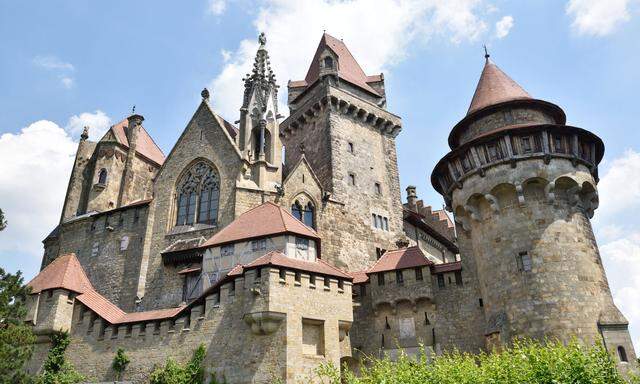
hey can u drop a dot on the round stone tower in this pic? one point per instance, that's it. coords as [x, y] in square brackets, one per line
[522, 187]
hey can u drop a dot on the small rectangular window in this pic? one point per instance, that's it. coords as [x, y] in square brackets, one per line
[340, 284]
[352, 179]
[399, 277]
[312, 280]
[480, 302]
[441, 281]
[458, 278]
[297, 277]
[377, 188]
[327, 282]
[557, 143]
[258, 273]
[302, 243]
[227, 250]
[381, 278]
[350, 147]
[526, 144]
[363, 290]
[524, 262]
[374, 221]
[282, 273]
[386, 224]
[258, 245]
[418, 273]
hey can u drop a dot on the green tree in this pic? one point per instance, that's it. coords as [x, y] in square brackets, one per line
[3, 222]
[120, 362]
[525, 362]
[56, 369]
[174, 373]
[16, 338]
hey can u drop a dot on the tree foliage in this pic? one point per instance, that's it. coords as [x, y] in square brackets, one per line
[174, 373]
[120, 362]
[525, 362]
[3, 222]
[16, 338]
[56, 369]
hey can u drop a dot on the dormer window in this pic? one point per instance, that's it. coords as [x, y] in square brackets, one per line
[328, 62]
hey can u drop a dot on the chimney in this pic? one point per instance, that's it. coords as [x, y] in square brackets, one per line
[135, 121]
[412, 197]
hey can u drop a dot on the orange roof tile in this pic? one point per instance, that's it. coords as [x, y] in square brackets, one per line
[145, 146]
[100, 305]
[158, 314]
[495, 87]
[279, 259]
[359, 277]
[400, 259]
[267, 219]
[447, 267]
[64, 272]
[348, 67]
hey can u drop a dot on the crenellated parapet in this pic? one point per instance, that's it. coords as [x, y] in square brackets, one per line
[346, 104]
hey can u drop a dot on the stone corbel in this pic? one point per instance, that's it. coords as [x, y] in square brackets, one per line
[520, 193]
[473, 212]
[592, 203]
[549, 192]
[574, 195]
[462, 222]
[493, 202]
[343, 329]
[264, 323]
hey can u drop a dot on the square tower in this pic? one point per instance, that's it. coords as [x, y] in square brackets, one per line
[339, 122]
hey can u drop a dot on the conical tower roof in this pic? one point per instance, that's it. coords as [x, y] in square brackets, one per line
[495, 87]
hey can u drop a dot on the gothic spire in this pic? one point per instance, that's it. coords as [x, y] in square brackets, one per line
[261, 79]
[495, 87]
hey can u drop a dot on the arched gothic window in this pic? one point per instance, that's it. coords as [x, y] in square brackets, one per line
[328, 62]
[305, 213]
[102, 176]
[198, 195]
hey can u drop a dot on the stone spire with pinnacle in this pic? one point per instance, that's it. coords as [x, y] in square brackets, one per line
[261, 79]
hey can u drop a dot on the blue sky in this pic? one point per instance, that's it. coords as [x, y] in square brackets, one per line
[66, 64]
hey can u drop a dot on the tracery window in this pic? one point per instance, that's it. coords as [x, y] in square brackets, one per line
[305, 213]
[198, 195]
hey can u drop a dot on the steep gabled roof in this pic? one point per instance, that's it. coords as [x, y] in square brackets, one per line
[348, 67]
[267, 219]
[400, 259]
[278, 259]
[64, 272]
[495, 87]
[145, 146]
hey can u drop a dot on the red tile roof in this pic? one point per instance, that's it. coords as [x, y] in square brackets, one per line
[277, 258]
[359, 277]
[145, 146]
[67, 273]
[495, 87]
[233, 131]
[348, 67]
[64, 272]
[446, 267]
[267, 219]
[400, 259]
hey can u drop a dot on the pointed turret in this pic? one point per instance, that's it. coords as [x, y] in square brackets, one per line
[503, 101]
[495, 87]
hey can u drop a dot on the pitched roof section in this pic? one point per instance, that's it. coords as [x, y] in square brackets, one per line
[348, 67]
[64, 272]
[278, 259]
[267, 219]
[400, 259]
[145, 146]
[495, 87]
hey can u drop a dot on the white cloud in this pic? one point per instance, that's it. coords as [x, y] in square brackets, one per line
[597, 17]
[67, 82]
[217, 7]
[62, 68]
[226, 55]
[503, 26]
[52, 63]
[36, 164]
[98, 123]
[379, 39]
[617, 228]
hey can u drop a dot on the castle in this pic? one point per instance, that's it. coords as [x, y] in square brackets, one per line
[279, 261]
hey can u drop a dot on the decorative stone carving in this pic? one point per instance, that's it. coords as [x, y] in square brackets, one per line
[264, 323]
[549, 191]
[520, 193]
[493, 202]
[343, 329]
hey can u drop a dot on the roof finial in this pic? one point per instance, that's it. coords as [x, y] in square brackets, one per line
[85, 133]
[262, 39]
[205, 94]
[486, 53]
[133, 110]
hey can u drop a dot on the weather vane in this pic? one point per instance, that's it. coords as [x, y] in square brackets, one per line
[486, 53]
[133, 110]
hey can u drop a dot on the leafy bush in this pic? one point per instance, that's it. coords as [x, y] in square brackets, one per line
[525, 362]
[56, 369]
[174, 373]
[16, 338]
[120, 362]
